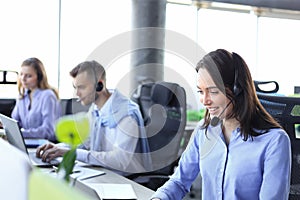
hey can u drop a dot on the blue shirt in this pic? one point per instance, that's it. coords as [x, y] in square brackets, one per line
[117, 140]
[248, 170]
[37, 121]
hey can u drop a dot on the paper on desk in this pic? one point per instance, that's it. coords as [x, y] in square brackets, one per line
[82, 173]
[108, 191]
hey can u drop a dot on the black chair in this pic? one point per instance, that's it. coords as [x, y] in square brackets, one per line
[8, 77]
[7, 106]
[261, 86]
[163, 107]
[72, 106]
[286, 110]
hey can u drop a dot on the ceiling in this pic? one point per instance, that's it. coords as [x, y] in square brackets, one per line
[276, 4]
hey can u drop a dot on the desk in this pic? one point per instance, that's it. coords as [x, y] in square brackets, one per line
[142, 192]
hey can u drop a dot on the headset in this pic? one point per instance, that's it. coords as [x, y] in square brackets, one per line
[98, 84]
[236, 89]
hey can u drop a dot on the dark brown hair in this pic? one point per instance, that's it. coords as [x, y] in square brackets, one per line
[232, 76]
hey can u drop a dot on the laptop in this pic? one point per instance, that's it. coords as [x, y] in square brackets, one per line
[15, 138]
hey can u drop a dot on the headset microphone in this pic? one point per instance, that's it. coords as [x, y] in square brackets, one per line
[216, 120]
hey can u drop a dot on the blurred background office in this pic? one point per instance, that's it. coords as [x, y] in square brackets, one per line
[64, 32]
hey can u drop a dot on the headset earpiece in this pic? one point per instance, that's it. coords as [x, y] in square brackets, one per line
[99, 86]
[236, 89]
[39, 77]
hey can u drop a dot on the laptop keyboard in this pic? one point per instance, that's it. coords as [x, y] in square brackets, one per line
[38, 161]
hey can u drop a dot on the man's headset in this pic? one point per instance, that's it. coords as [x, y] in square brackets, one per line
[98, 84]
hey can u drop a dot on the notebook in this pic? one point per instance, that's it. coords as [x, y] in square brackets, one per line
[107, 191]
[15, 138]
[87, 190]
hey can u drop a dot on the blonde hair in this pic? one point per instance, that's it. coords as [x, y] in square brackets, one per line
[39, 68]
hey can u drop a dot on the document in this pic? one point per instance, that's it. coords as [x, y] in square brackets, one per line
[82, 173]
[110, 191]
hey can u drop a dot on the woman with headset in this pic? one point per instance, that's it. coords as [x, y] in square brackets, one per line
[240, 151]
[37, 107]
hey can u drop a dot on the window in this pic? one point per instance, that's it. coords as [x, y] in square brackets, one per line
[278, 54]
[87, 26]
[29, 29]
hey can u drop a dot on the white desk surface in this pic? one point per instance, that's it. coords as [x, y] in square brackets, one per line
[142, 193]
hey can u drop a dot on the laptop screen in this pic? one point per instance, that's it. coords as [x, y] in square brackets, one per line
[13, 133]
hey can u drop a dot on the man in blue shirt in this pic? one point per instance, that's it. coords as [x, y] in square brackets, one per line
[240, 151]
[118, 139]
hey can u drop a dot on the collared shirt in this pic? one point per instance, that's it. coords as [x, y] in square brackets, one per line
[37, 119]
[117, 129]
[248, 170]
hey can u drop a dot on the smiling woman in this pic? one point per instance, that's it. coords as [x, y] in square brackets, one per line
[236, 143]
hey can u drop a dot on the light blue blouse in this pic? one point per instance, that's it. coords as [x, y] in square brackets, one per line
[248, 170]
[37, 121]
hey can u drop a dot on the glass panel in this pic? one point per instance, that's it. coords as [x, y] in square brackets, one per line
[29, 29]
[87, 26]
[229, 30]
[181, 37]
[11, 76]
[278, 55]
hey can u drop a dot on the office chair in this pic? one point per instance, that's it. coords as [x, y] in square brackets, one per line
[261, 86]
[7, 78]
[7, 106]
[163, 107]
[286, 110]
[72, 106]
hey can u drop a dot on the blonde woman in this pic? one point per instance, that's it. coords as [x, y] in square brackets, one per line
[37, 107]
